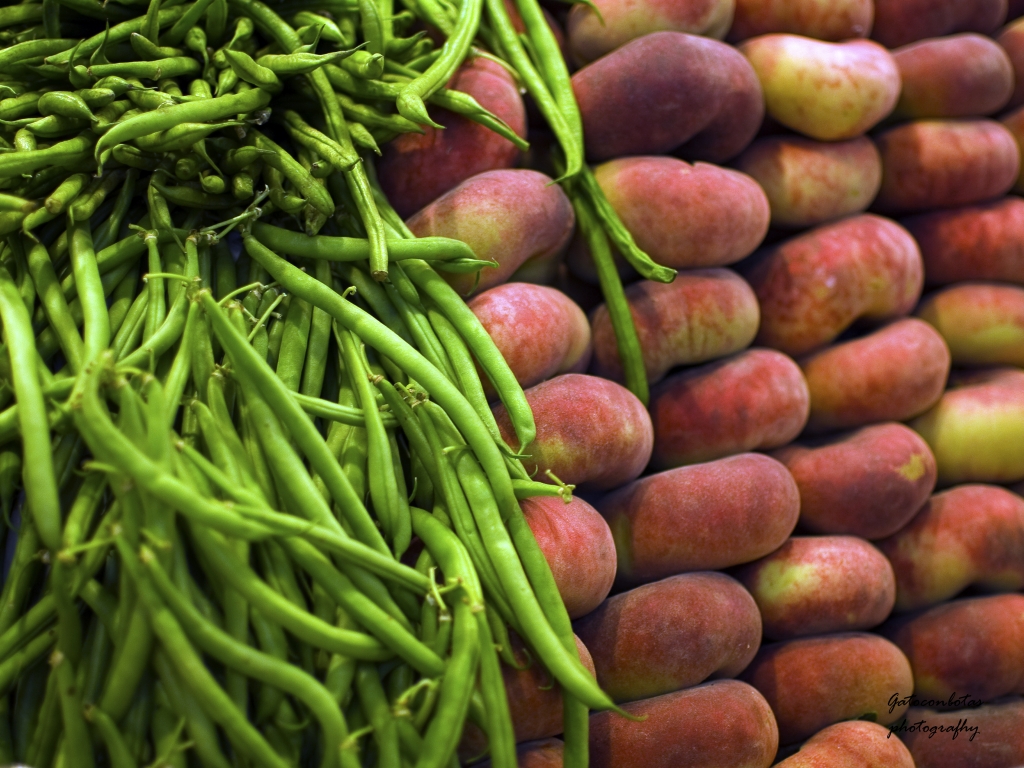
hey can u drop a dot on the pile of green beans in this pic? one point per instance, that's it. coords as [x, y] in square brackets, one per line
[257, 510]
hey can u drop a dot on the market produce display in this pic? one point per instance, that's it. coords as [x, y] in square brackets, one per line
[509, 383]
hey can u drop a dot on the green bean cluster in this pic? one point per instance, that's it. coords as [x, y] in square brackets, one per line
[257, 509]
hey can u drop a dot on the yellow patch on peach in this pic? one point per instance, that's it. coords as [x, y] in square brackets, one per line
[778, 580]
[914, 468]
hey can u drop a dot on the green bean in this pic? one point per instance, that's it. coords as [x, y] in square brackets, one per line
[189, 18]
[58, 155]
[21, 14]
[14, 665]
[378, 714]
[294, 172]
[55, 306]
[200, 727]
[117, 750]
[315, 367]
[176, 66]
[77, 745]
[87, 204]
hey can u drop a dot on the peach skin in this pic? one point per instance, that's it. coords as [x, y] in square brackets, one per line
[671, 634]
[964, 75]
[667, 91]
[813, 585]
[978, 242]
[579, 548]
[595, 31]
[975, 644]
[591, 432]
[867, 483]
[968, 535]
[982, 323]
[539, 331]
[417, 168]
[851, 744]
[701, 315]
[684, 215]
[832, 20]
[700, 517]
[989, 736]
[813, 682]
[506, 216]
[717, 724]
[811, 182]
[944, 164]
[898, 22]
[976, 429]
[827, 91]
[545, 753]
[755, 400]
[1011, 40]
[1014, 122]
[892, 374]
[814, 286]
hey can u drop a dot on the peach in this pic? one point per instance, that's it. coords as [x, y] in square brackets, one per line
[964, 75]
[1011, 39]
[867, 483]
[971, 534]
[1014, 9]
[826, 91]
[898, 22]
[976, 430]
[579, 547]
[1014, 123]
[755, 400]
[701, 315]
[507, 216]
[671, 634]
[944, 164]
[591, 432]
[539, 331]
[814, 286]
[832, 20]
[811, 182]
[418, 168]
[813, 682]
[686, 215]
[812, 585]
[892, 374]
[982, 323]
[666, 91]
[591, 35]
[980, 242]
[545, 753]
[975, 644]
[701, 517]
[717, 724]
[851, 744]
[988, 736]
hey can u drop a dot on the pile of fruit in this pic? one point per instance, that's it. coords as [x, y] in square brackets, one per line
[431, 383]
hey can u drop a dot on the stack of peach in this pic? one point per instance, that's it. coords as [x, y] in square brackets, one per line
[814, 519]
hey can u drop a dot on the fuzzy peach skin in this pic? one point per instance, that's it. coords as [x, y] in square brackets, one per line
[666, 91]
[1011, 40]
[545, 753]
[539, 331]
[971, 534]
[832, 20]
[671, 634]
[965, 75]
[827, 91]
[591, 36]
[755, 400]
[975, 644]
[813, 585]
[507, 216]
[982, 323]
[976, 430]
[684, 215]
[813, 682]
[814, 286]
[418, 168]
[892, 374]
[591, 432]
[701, 517]
[701, 315]
[989, 736]
[851, 744]
[578, 545]
[1014, 123]
[944, 164]
[898, 22]
[811, 182]
[978, 242]
[867, 483]
[722, 724]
